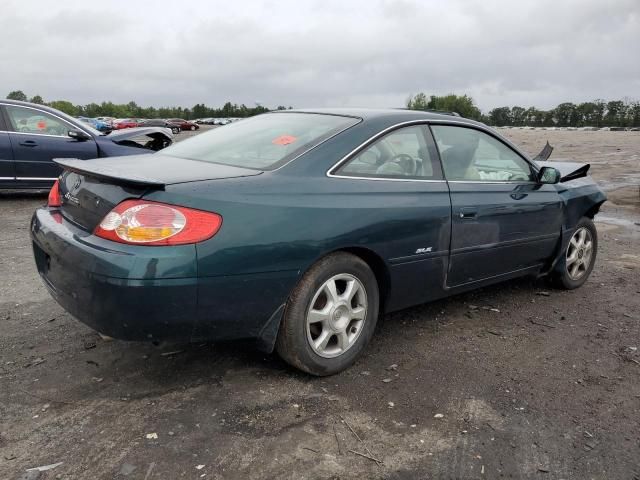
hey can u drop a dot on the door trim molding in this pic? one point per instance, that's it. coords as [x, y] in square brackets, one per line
[508, 243]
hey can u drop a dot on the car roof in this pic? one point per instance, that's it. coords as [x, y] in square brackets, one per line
[390, 114]
[44, 108]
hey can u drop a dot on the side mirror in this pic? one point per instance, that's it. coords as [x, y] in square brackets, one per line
[549, 175]
[78, 135]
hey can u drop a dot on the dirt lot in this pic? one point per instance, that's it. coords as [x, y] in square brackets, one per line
[513, 381]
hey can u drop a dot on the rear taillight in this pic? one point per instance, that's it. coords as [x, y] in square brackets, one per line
[54, 196]
[141, 222]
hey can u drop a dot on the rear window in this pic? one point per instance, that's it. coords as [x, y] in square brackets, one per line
[263, 142]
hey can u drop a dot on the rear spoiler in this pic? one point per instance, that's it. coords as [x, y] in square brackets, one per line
[107, 172]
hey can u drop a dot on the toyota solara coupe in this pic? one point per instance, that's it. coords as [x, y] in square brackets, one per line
[297, 229]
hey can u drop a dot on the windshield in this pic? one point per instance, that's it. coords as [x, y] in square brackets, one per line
[263, 142]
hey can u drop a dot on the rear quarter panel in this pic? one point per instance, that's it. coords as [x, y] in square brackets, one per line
[275, 227]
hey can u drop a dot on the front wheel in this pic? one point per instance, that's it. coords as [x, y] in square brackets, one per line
[330, 316]
[193, 127]
[579, 257]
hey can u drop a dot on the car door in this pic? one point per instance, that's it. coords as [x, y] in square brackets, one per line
[503, 220]
[37, 137]
[7, 168]
[398, 179]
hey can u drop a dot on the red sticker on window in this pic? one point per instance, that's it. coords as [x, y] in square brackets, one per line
[284, 140]
[42, 125]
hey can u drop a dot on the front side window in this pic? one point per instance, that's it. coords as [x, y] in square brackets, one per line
[401, 154]
[471, 155]
[263, 142]
[27, 120]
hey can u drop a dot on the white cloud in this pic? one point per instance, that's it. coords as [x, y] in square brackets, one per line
[321, 53]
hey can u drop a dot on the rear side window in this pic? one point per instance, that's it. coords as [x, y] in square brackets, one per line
[264, 142]
[404, 154]
[28, 120]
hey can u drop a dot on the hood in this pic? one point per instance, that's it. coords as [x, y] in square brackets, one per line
[568, 170]
[153, 169]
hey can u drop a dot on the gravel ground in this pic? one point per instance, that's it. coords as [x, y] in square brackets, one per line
[513, 381]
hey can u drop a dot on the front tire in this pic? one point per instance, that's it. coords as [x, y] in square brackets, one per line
[579, 256]
[330, 316]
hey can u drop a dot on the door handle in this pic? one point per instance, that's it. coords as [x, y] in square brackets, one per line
[468, 213]
[28, 143]
[518, 196]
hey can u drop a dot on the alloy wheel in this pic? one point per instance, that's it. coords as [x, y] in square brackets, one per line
[579, 253]
[336, 315]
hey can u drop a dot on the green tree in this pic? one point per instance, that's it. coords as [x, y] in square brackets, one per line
[633, 114]
[598, 113]
[65, 106]
[533, 117]
[17, 95]
[565, 114]
[461, 104]
[199, 110]
[37, 99]
[616, 113]
[500, 116]
[518, 116]
[419, 102]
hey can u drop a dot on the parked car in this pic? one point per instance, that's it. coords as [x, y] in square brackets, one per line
[184, 124]
[31, 136]
[298, 228]
[107, 120]
[157, 122]
[125, 123]
[97, 124]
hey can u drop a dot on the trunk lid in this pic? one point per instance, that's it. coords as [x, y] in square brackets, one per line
[89, 189]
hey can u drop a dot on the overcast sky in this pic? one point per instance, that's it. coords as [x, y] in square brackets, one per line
[321, 53]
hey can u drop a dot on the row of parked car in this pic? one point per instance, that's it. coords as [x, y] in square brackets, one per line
[107, 124]
[216, 121]
[586, 129]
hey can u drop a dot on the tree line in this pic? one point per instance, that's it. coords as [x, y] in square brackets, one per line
[133, 110]
[598, 113]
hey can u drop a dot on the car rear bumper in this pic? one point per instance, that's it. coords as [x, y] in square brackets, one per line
[132, 293]
[151, 293]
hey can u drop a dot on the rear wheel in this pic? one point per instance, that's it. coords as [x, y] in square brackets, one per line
[579, 257]
[330, 316]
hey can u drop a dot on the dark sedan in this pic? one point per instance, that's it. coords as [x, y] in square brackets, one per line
[31, 136]
[298, 228]
[156, 122]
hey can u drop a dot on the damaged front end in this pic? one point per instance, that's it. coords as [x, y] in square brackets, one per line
[149, 138]
[581, 195]
[568, 170]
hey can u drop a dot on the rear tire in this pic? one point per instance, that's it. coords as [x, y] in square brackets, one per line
[330, 315]
[579, 256]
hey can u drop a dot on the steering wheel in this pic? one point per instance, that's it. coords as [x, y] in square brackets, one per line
[406, 162]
